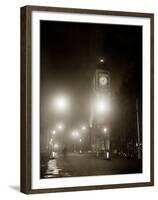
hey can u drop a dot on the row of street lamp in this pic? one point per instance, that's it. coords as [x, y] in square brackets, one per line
[61, 104]
[60, 127]
[75, 133]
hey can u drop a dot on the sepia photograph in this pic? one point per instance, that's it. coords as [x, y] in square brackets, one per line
[86, 99]
[90, 99]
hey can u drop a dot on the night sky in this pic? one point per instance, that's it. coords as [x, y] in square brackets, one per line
[69, 55]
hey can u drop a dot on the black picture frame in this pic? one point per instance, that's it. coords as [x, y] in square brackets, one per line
[26, 93]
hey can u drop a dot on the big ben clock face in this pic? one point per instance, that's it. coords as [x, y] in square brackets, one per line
[103, 80]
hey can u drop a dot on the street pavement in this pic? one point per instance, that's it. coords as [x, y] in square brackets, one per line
[87, 164]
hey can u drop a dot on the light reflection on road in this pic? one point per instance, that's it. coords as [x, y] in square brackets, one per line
[53, 170]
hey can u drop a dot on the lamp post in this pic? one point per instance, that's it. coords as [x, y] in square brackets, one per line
[138, 131]
[106, 143]
[51, 143]
[60, 105]
[75, 135]
[80, 145]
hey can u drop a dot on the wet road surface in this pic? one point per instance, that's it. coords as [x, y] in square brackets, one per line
[84, 164]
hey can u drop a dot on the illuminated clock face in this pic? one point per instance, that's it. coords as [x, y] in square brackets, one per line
[103, 80]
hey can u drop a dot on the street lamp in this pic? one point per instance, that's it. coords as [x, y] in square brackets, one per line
[101, 60]
[60, 127]
[61, 103]
[105, 129]
[83, 128]
[56, 146]
[102, 105]
[75, 134]
[54, 132]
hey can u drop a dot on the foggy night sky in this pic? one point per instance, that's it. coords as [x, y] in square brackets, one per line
[69, 57]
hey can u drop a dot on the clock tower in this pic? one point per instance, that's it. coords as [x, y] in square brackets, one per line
[100, 110]
[102, 81]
